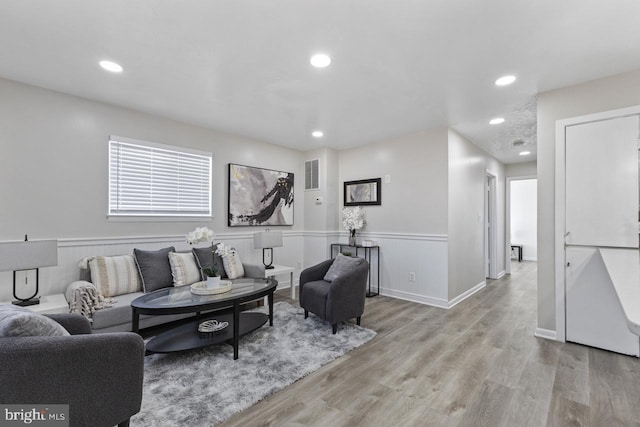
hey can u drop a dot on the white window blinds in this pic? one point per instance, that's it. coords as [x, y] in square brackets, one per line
[147, 179]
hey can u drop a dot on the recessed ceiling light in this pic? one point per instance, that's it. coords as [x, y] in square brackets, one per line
[496, 121]
[525, 153]
[317, 134]
[111, 66]
[505, 80]
[320, 60]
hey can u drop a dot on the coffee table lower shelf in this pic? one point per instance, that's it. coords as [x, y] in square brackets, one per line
[187, 337]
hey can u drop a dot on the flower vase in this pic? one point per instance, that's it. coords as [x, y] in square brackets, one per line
[213, 282]
[352, 238]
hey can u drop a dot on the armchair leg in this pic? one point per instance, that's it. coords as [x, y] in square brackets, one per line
[306, 314]
[358, 320]
[124, 423]
[335, 328]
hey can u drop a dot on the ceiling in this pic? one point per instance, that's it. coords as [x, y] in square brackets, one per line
[401, 66]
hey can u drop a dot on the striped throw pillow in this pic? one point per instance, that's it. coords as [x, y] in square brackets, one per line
[115, 275]
[184, 269]
[232, 264]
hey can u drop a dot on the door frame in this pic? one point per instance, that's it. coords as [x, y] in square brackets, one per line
[490, 224]
[507, 231]
[560, 210]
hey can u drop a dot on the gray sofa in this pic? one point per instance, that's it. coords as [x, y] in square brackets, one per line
[337, 300]
[98, 376]
[117, 318]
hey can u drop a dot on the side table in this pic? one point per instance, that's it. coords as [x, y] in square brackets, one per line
[50, 304]
[282, 269]
[367, 256]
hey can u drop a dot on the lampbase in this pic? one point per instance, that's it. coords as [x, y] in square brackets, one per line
[27, 302]
[268, 267]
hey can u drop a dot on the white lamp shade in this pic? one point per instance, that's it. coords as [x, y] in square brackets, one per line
[267, 239]
[28, 255]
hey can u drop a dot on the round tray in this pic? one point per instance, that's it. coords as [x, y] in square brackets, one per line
[200, 288]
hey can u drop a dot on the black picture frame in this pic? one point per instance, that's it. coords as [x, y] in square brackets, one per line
[364, 192]
[259, 196]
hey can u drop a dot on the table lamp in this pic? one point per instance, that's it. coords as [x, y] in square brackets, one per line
[267, 240]
[24, 256]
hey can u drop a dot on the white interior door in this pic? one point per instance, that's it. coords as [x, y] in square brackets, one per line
[602, 183]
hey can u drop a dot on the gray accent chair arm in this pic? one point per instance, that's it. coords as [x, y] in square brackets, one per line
[253, 271]
[98, 376]
[73, 323]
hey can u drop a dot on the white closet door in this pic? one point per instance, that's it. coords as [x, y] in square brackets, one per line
[602, 183]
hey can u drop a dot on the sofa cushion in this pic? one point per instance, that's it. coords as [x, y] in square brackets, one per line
[206, 257]
[342, 265]
[154, 268]
[115, 275]
[184, 269]
[18, 321]
[119, 312]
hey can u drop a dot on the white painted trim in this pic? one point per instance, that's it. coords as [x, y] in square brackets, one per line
[463, 296]
[420, 299]
[404, 236]
[502, 273]
[547, 334]
[492, 236]
[560, 210]
[530, 258]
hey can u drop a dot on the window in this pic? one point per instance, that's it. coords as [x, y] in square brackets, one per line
[147, 179]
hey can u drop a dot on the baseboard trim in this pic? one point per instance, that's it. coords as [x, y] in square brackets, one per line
[463, 296]
[546, 334]
[530, 259]
[420, 299]
[501, 274]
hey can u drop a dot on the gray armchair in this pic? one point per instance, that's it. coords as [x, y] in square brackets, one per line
[336, 301]
[99, 376]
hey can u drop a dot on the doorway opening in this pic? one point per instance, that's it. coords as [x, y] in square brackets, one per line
[522, 220]
[490, 229]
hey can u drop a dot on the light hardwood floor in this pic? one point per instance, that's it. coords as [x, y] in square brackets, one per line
[477, 364]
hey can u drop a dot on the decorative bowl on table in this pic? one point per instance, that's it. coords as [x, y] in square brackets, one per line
[200, 288]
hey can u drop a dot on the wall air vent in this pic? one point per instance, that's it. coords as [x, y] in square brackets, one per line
[311, 181]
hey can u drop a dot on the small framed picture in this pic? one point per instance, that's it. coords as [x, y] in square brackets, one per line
[362, 192]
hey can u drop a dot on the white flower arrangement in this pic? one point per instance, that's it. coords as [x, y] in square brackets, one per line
[223, 250]
[199, 235]
[353, 218]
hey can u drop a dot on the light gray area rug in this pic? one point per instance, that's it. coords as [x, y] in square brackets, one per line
[206, 386]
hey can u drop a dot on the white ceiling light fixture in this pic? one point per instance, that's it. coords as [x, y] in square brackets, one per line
[525, 153]
[111, 66]
[505, 80]
[317, 134]
[320, 60]
[496, 121]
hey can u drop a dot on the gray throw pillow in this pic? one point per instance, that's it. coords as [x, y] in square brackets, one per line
[342, 265]
[205, 258]
[18, 321]
[154, 268]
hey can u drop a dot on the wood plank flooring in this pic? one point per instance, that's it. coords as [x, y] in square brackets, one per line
[477, 364]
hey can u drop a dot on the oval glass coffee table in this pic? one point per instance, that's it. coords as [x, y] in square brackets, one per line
[225, 306]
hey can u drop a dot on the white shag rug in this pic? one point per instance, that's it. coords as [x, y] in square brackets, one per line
[204, 387]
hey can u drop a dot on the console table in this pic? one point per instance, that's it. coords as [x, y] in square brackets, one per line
[367, 256]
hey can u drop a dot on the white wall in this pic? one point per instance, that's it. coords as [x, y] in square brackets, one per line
[609, 93]
[53, 169]
[521, 169]
[524, 222]
[411, 224]
[468, 165]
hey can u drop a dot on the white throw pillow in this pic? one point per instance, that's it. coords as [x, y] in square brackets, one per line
[115, 275]
[232, 264]
[184, 269]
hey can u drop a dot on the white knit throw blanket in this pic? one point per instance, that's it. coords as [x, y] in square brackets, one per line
[85, 299]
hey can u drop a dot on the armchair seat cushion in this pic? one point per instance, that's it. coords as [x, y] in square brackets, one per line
[314, 298]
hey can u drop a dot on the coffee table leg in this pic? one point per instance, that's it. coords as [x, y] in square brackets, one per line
[135, 320]
[236, 329]
[270, 298]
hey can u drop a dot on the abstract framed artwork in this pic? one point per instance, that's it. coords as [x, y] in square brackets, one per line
[363, 192]
[259, 197]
